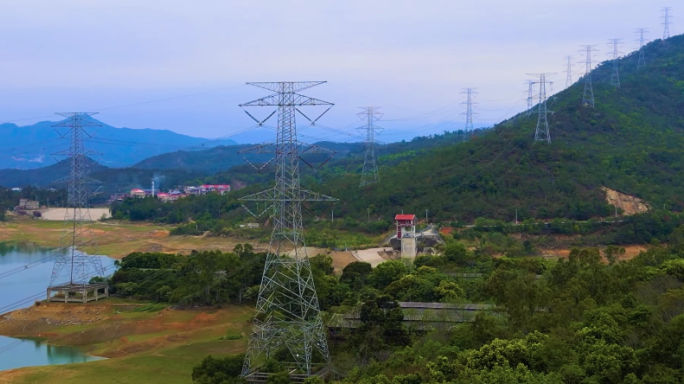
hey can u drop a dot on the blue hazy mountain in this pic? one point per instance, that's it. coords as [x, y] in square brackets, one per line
[36, 146]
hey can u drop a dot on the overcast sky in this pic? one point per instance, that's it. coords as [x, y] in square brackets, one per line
[410, 57]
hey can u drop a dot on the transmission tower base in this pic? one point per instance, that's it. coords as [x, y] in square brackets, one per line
[78, 293]
[258, 377]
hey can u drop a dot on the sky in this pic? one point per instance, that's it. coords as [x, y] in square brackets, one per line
[182, 65]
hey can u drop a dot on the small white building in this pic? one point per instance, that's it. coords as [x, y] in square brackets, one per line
[28, 204]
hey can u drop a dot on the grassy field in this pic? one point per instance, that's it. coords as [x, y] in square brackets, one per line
[116, 239]
[144, 343]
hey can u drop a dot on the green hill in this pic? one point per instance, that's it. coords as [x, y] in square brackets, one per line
[632, 142]
[221, 164]
[45, 177]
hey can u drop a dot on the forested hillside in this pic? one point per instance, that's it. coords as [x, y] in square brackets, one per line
[573, 321]
[45, 177]
[632, 141]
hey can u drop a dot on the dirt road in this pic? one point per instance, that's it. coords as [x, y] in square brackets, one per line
[372, 256]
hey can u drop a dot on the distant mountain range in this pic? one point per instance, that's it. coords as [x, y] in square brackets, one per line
[31, 147]
[216, 165]
[225, 157]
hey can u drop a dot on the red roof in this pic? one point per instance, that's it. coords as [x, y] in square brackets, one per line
[215, 186]
[405, 217]
[162, 194]
[136, 190]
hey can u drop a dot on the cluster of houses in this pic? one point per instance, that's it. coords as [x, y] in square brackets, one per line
[174, 194]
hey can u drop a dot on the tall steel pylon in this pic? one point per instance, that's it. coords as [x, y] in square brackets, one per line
[370, 175]
[642, 41]
[287, 316]
[469, 114]
[588, 95]
[72, 265]
[666, 17]
[542, 132]
[614, 55]
[568, 71]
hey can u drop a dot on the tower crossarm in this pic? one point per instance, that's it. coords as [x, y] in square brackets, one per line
[274, 194]
[278, 86]
[276, 100]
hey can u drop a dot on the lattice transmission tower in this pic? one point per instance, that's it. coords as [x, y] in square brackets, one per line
[615, 44]
[642, 42]
[370, 174]
[588, 95]
[469, 113]
[667, 20]
[542, 131]
[288, 317]
[568, 71]
[73, 267]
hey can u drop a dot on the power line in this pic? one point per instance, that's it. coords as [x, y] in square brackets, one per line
[132, 104]
[46, 259]
[36, 296]
[588, 95]
[444, 109]
[168, 98]
[369, 174]
[25, 267]
[615, 54]
[667, 20]
[21, 302]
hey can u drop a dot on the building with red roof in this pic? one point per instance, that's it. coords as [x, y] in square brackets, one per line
[406, 233]
[137, 192]
[220, 188]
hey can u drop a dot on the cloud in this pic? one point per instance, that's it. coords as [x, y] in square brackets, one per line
[37, 159]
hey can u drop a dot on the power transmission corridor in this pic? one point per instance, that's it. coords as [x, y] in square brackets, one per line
[288, 318]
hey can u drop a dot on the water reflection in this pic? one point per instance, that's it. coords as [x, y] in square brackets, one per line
[15, 287]
[16, 353]
[31, 281]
